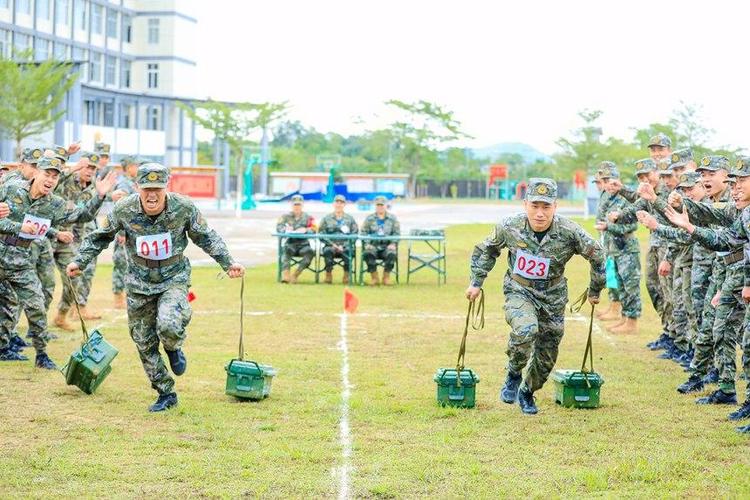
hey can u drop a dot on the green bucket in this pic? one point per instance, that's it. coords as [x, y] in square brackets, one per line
[89, 366]
[451, 392]
[577, 389]
[248, 379]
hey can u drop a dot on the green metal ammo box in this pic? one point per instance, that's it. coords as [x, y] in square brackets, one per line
[577, 389]
[89, 366]
[452, 393]
[248, 379]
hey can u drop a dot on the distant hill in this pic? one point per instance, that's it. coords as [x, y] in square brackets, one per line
[529, 153]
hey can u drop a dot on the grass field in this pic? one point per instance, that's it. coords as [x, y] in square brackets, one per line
[645, 440]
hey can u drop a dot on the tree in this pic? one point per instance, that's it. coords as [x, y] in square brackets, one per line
[584, 150]
[688, 123]
[424, 127]
[31, 95]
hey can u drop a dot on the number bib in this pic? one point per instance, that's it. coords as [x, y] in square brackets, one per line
[531, 266]
[40, 225]
[154, 246]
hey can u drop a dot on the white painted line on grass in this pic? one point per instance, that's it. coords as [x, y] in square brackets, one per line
[345, 436]
[596, 329]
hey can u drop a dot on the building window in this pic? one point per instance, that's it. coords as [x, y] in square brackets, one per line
[42, 9]
[108, 110]
[127, 28]
[110, 70]
[152, 118]
[92, 112]
[96, 67]
[21, 42]
[125, 119]
[4, 4]
[153, 31]
[62, 12]
[4, 43]
[153, 75]
[23, 7]
[97, 11]
[79, 14]
[111, 23]
[81, 57]
[125, 74]
[41, 49]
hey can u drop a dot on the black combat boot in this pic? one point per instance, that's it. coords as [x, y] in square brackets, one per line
[164, 402]
[712, 377]
[177, 361]
[718, 397]
[9, 354]
[741, 412]
[693, 384]
[526, 401]
[509, 392]
[18, 344]
[43, 361]
[659, 343]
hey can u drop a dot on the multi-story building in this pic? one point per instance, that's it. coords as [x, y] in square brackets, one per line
[134, 64]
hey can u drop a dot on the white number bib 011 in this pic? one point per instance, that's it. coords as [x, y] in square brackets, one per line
[154, 246]
[531, 266]
[41, 226]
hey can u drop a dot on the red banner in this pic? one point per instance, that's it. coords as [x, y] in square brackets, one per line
[193, 185]
[497, 172]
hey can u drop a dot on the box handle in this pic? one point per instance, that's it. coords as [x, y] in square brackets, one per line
[581, 398]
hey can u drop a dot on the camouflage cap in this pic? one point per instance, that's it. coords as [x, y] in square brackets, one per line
[380, 200]
[713, 163]
[102, 148]
[91, 158]
[297, 199]
[128, 160]
[660, 139]
[152, 175]
[339, 197]
[645, 166]
[609, 172]
[741, 168]
[663, 167]
[32, 155]
[53, 163]
[680, 158]
[56, 152]
[541, 189]
[689, 179]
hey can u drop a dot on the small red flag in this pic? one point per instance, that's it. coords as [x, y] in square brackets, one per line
[191, 296]
[350, 301]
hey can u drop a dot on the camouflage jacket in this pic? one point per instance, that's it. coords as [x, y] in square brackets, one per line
[52, 207]
[602, 209]
[374, 226]
[14, 177]
[729, 239]
[564, 239]
[331, 225]
[71, 190]
[288, 223]
[638, 203]
[179, 221]
[620, 236]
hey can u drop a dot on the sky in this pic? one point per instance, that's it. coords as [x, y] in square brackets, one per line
[510, 71]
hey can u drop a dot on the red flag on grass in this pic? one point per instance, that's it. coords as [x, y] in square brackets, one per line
[350, 301]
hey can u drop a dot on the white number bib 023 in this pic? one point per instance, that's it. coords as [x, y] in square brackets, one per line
[531, 266]
[154, 246]
[41, 226]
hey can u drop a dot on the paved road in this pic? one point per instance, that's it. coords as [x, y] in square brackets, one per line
[251, 242]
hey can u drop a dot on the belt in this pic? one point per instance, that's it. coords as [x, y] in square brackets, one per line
[153, 264]
[734, 257]
[14, 241]
[536, 284]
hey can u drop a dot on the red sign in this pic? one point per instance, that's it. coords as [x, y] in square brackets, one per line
[498, 172]
[193, 185]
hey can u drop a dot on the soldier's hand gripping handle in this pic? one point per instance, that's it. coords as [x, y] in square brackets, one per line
[473, 292]
[73, 270]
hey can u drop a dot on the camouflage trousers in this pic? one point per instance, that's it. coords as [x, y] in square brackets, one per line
[535, 336]
[41, 256]
[728, 325]
[652, 280]
[9, 308]
[667, 308]
[158, 319]
[303, 250]
[24, 283]
[628, 267]
[700, 275]
[683, 314]
[703, 358]
[64, 255]
[330, 254]
[86, 282]
[119, 268]
[371, 254]
[746, 351]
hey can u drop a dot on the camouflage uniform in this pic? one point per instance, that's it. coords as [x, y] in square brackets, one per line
[535, 308]
[16, 265]
[386, 250]
[296, 247]
[331, 225]
[158, 308]
[119, 255]
[604, 206]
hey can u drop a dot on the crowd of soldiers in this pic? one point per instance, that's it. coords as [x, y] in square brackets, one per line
[340, 230]
[697, 276]
[48, 212]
